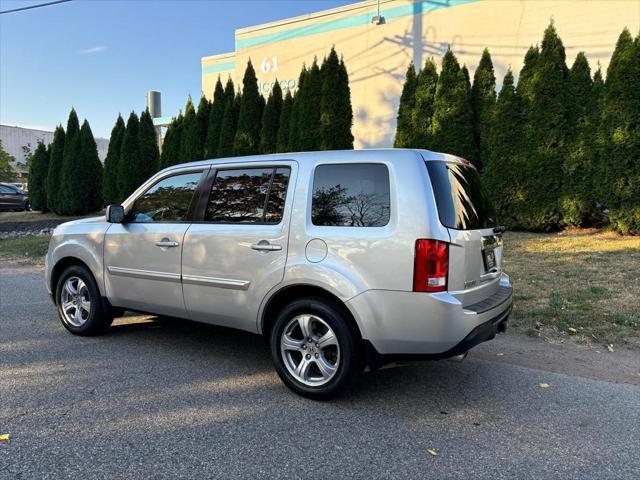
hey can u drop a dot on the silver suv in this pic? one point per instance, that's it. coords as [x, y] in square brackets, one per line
[341, 260]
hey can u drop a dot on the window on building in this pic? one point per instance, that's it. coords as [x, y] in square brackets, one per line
[351, 195]
[248, 195]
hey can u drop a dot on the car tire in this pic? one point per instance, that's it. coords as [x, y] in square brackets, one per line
[80, 306]
[26, 207]
[324, 367]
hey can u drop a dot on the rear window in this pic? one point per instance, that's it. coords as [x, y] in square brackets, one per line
[461, 200]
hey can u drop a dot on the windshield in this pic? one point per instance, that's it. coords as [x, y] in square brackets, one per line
[461, 200]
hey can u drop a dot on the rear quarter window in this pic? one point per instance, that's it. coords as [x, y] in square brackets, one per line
[351, 195]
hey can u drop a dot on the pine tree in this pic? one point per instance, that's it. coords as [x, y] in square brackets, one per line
[229, 126]
[38, 169]
[336, 114]
[620, 135]
[502, 173]
[189, 141]
[55, 169]
[171, 144]
[452, 116]
[271, 120]
[294, 123]
[483, 100]
[202, 120]
[247, 140]
[215, 121]
[577, 197]
[69, 191]
[404, 128]
[110, 179]
[90, 192]
[422, 113]
[129, 156]
[546, 134]
[285, 120]
[308, 100]
[149, 152]
[526, 74]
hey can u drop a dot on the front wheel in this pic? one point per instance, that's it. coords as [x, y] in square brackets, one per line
[80, 305]
[314, 351]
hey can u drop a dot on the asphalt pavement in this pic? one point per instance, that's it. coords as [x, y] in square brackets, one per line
[171, 399]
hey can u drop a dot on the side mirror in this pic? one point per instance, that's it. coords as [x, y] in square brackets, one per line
[115, 213]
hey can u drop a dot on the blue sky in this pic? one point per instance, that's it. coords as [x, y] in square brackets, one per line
[102, 56]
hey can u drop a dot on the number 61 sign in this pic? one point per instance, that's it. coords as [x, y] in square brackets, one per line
[269, 64]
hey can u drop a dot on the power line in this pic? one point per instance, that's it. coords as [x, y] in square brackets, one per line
[33, 6]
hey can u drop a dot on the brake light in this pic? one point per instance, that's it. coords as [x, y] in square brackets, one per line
[430, 266]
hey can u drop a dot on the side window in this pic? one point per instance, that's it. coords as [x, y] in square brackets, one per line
[5, 190]
[351, 195]
[166, 201]
[248, 195]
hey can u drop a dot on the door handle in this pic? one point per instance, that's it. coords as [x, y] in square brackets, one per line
[265, 246]
[165, 242]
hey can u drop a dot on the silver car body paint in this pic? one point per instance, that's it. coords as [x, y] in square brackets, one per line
[215, 274]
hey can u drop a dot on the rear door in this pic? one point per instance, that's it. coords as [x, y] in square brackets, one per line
[10, 197]
[475, 254]
[236, 253]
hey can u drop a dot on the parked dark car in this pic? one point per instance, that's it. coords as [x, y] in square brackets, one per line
[12, 198]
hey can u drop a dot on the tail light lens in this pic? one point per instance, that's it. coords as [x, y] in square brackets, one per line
[431, 266]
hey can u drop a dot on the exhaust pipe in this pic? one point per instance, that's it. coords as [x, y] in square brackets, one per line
[458, 358]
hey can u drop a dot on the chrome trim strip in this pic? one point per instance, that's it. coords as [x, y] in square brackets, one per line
[216, 282]
[146, 274]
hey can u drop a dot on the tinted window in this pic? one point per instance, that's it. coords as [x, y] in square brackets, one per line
[461, 200]
[166, 201]
[250, 195]
[351, 195]
[5, 189]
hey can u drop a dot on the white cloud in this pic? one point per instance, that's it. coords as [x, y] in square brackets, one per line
[89, 51]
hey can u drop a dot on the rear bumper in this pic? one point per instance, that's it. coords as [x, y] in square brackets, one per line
[430, 326]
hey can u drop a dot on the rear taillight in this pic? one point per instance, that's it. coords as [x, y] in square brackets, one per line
[431, 266]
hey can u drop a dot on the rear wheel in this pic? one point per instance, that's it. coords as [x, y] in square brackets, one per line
[80, 305]
[313, 349]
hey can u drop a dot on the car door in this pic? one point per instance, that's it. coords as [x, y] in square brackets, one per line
[142, 256]
[237, 253]
[10, 197]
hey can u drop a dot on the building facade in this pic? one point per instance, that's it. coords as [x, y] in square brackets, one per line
[15, 138]
[378, 52]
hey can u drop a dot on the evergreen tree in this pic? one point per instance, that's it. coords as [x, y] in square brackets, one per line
[215, 121]
[483, 100]
[526, 74]
[294, 123]
[336, 114]
[285, 120]
[129, 156]
[189, 141]
[620, 135]
[89, 198]
[452, 116]
[171, 145]
[55, 169]
[38, 169]
[422, 113]
[502, 174]
[69, 192]
[271, 120]
[110, 179]
[229, 126]
[247, 139]
[149, 152]
[577, 197]
[404, 128]
[308, 101]
[202, 119]
[546, 134]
